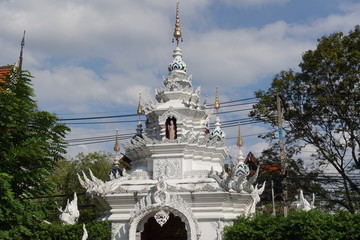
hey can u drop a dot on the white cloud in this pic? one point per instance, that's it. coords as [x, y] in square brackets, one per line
[77, 89]
[343, 22]
[68, 87]
[258, 3]
[133, 39]
[243, 56]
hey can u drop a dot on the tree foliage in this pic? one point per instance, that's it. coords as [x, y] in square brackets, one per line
[31, 142]
[96, 231]
[312, 225]
[322, 109]
[65, 174]
[65, 177]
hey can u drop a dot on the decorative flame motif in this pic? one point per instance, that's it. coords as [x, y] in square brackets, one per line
[70, 214]
[303, 204]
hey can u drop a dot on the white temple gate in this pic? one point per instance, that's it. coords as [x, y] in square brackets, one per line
[177, 180]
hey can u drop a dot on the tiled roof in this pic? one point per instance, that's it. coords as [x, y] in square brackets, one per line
[5, 71]
[264, 168]
[274, 167]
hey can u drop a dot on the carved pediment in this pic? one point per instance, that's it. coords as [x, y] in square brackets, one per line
[169, 114]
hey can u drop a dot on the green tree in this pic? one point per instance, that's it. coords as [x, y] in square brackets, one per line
[31, 142]
[65, 177]
[311, 225]
[322, 109]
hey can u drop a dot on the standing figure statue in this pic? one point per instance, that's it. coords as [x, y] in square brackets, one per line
[170, 125]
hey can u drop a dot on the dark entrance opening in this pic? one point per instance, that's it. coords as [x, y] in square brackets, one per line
[173, 229]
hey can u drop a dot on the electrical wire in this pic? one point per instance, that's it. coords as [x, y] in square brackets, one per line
[101, 117]
[131, 121]
[239, 100]
[132, 115]
[233, 105]
[111, 138]
[88, 123]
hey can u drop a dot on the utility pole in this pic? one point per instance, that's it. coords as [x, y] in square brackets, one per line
[273, 198]
[282, 154]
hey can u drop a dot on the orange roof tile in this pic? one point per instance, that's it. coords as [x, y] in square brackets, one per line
[4, 72]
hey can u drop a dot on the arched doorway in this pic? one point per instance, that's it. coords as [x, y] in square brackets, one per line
[173, 229]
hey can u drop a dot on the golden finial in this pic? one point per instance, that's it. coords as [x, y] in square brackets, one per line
[239, 140]
[117, 147]
[217, 103]
[139, 109]
[177, 31]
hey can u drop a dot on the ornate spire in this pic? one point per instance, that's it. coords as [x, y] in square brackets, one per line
[241, 168]
[177, 64]
[177, 31]
[139, 125]
[217, 133]
[116, 172]
[139, 109]
[18, 64]
[117, 146]
[217, 103]
[239, 143]
[239, 139]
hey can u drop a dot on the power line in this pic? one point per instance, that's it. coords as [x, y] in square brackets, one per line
[99, 138]
[248, 135]
[125, 121]
[87, 123]
[111, 138]
[239, 100]
[240, 110]
[241, 124]
[233, 105]
[132, 115]
[101, 117]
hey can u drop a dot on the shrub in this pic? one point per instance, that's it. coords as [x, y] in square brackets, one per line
[312, 225]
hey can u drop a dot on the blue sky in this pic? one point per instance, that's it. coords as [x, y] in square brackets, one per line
[91, 58]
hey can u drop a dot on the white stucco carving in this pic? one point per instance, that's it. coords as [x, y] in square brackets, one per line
[70, 214]
[161, 217]
[96, 187]
[255, 194]
[219, 228]
[169, 168]
[171, 113]
[303, 204]
[232, 182]
[160, 200]
[85, 234]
